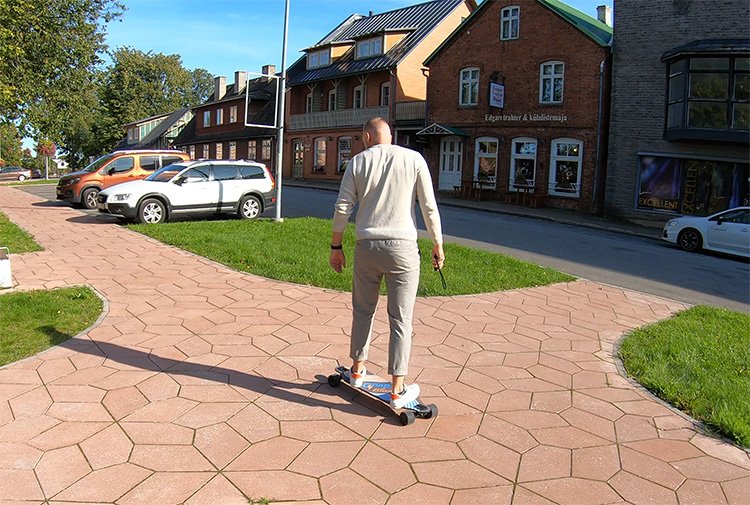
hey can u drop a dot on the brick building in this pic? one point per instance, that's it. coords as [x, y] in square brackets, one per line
[680, 108]
[512, 114]
[155, 132]
[217, 129]
[365, 67]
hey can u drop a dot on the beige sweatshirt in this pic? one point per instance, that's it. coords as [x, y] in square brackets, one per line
[386, 180]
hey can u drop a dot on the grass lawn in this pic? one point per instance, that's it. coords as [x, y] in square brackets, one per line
[699, 361]
[33, 321]
[297, 250]
[14, 238]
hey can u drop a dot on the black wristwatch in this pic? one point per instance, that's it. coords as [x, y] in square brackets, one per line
[336, 247]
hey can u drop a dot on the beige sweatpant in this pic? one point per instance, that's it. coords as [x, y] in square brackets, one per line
[398, 262]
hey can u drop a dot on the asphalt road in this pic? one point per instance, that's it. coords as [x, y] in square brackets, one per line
[643, 264]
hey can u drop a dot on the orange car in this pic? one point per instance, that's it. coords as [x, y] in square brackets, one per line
[82, 187]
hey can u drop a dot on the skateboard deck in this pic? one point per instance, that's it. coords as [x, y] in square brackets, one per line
[380, 389]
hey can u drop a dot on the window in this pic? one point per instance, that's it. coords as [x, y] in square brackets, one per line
[205, 151]
[320, 155]
[251, 172]
[551, 82]
[485, 159]
[191, 150]
[385, 94]
[219, 150]
[708, 93]
[565, 167]
[121, 165]
[233, 114]
[358, 99]
[332, 100]
[469, 90]
[309, 103]
[225, 172]
[509, 19]
[369, 47]
[265, 151]
[522, 163]
[252, 150]
[168, 160]
[233, 150]
[345, 153]
[207, 118]
[199, 174]
[149, 162]
[318, 59]
[219, 116]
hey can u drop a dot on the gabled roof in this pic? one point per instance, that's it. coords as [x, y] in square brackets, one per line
[420, 19]
[594, 29]
[151, 139]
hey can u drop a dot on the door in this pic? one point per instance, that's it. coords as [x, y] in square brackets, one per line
[120, 170]
[230, 185]
[196, 192]
[298, 159]
[451, 151]
[730, 231]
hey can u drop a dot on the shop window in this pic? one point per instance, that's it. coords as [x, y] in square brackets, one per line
[485, 160]
[566, 167]
[320, 155]
[385, 94]
[207, 118]
[233, 150]
[509, 21]
[522, 163]
[206, 154]
[708, 98]
[233, 114]
[358, 99]
[345, 153]
[332, 100]
[469, 87]
[551, 82]
[219, 150]
[368, 48]
[265, 149]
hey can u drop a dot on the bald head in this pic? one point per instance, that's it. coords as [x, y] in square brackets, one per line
[376, 131]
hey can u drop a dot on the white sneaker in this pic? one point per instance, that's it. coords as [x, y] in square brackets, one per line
[357, 379]
[405, 397]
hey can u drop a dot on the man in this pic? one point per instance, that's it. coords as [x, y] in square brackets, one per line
[385, 180]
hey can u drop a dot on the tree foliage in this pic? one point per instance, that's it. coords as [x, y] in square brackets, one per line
[10, 144]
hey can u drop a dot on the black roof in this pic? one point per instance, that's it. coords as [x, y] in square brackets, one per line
[709, 46]
[419, 20]
[265, 116]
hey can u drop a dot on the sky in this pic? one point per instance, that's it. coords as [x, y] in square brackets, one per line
[222, 36]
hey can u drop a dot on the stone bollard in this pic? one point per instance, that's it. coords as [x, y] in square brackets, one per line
[6, 279]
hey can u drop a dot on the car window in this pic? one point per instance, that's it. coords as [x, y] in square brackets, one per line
[149, 162]
[225, 172]
[122, 164]
[199, 174]
[168, 160]
[737, 216]
[251, 172]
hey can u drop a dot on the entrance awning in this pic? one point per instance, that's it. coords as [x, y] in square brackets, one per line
[439, 129]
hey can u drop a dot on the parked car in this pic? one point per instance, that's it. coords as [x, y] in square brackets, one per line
[15, 174]
[194, 187]
[36, 173]
[82, 187]
[727, 232]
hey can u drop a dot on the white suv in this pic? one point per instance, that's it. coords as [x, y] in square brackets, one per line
[201, 187]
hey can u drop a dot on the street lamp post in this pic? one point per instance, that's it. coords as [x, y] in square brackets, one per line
[280, 118]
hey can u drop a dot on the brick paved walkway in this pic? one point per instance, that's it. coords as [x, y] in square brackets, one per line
[202, 385]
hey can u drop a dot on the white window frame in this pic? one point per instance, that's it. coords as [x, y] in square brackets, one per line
[478, 156]
[233, 150]
[385, 94]
[308, 103]
[219, 151]
[358, 90]
[332, 99]
[252, 145]
[219, 116]
[451, 160]
[206, 118]
[341, 167]
[265, 149]
[516, 156]
[318, 59]
[554, 157]
[233, 114]
[552, 77]
[465, 79]
[206, 152]
[191, 152]
[367, 48]
[317, 143]
[508, 16]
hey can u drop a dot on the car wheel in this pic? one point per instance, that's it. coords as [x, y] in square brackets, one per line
[249, 208]
[88, 198]
[21, 178]
[152, 211]
[690, 240]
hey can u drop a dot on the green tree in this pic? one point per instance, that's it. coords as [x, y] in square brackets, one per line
[10, 144]
[48, 48]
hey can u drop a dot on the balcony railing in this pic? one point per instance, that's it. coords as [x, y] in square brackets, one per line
[411, 111]
[336, 118]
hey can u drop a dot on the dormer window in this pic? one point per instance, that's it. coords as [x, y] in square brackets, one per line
[318, 59]
[368, 48]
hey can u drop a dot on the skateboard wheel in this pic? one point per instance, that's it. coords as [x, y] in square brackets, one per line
[433, 411]
[407, 417]
[334, 380]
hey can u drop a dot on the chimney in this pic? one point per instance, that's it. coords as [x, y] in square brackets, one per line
[240, 79]
[220, 87]
[268, 70]
[604, 14]
[372, 13]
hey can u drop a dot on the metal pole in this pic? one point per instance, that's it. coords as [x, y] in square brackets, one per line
[280, 118]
